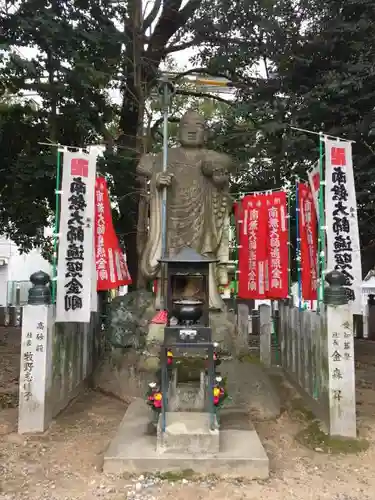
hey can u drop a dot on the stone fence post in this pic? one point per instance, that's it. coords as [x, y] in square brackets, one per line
[341, 367]
[34, 413]
[242, 326]
[265, 334]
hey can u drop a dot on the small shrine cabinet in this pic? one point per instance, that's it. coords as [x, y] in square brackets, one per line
[187, 276]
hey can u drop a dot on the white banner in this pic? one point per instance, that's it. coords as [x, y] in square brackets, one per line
[314, 181]
[76, 238]
[343, 249]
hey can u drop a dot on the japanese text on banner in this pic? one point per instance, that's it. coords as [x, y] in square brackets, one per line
[76, 238]
[111, 267]
[343, 249]
[252, 253]
[308, 234]
[278, 255]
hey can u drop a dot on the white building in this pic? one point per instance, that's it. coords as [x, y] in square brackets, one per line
[15, 271]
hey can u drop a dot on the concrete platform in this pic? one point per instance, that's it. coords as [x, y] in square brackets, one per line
[187, 432]
[133, 450]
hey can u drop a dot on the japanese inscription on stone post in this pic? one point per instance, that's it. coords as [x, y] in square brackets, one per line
[341, 371]
[33, 350]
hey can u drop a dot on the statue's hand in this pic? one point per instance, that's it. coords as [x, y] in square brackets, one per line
[220, 177]
[163, 180]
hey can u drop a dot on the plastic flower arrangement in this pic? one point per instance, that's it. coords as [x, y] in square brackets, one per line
[220, 393]
[154, 397]
[169, 358]
[217, 361]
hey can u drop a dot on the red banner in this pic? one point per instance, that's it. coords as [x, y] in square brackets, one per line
[252, 253]
[263, 256]
[111, 268]
[278, 253]
[308, 233]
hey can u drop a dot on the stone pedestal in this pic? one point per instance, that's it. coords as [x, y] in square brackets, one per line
[34, 414]
[187, 432]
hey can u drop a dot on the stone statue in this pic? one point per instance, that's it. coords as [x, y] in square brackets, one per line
[198, 204]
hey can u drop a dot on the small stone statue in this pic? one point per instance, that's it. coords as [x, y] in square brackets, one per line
[198, 203]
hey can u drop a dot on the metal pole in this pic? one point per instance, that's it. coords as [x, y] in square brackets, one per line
[166, 90]
[165, 165]
[298, 252]
[56, 227]
[321, 239]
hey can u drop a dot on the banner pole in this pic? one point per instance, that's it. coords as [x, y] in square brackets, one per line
[56, 228]
[298, 247]
[321, 239]
[235, 238]
[289, 246]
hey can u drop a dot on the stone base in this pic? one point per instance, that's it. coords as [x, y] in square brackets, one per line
[133, 450]
[187, 432]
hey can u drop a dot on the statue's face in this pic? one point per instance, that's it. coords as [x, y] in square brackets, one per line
[192, 132]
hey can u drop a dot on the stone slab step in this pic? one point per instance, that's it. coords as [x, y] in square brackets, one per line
[133, 450]
[187, 432]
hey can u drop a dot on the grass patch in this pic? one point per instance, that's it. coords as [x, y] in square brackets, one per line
[314, 438]
[177, 475]
[8, 400]
[189, 369]
[249, 358]
[297, 409]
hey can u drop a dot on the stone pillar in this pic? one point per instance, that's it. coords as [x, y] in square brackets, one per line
[243, 325]
[341, 367]
[34, 413]
[265, 334]
[365, 321]
[371, 317]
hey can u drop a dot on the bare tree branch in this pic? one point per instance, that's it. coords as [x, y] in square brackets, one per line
[180, 46]
[170, 20]
[152, 15]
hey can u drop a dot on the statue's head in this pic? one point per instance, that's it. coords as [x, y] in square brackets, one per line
[192, 130]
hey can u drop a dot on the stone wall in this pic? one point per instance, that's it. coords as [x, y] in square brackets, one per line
[76, 349]
[303, 348]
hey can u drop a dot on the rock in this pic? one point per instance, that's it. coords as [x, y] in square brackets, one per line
[148, 364]
[129, 316]
[223, 329]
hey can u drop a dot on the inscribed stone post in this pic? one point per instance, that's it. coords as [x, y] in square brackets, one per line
[265, 334]
[365, 321]
[341, 367]
[243, 325]
[34, 414]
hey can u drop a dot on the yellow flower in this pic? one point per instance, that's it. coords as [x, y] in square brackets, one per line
[157, 396]
[216, 392]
